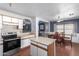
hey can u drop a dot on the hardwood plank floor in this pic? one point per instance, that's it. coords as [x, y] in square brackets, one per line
[24, 52]
[66, 50]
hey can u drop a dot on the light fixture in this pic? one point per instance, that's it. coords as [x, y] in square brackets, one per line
[71, 14]
[10, 4]
[58, 17]
[59, 20]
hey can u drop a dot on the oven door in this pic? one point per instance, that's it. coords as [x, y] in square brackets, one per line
[10, 45]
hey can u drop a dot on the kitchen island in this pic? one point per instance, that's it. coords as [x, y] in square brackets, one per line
[25, 44]
[39, 46]
[42, 46]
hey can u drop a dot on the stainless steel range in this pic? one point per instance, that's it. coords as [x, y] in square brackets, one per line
[11, 44]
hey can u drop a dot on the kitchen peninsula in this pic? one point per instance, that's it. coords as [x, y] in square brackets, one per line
[39, 46]
[42, 46]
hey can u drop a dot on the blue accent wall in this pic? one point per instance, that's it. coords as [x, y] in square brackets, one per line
[78, 26]
[52, 26]
[74, 21]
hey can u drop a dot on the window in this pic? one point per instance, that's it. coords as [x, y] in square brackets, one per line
[67, 28]
[59, 28]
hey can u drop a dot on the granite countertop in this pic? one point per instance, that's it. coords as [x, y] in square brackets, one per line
[26, 35]
[50, 33]
[43, 40]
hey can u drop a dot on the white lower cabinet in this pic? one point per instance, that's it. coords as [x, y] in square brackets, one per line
[1, 50]
[42, 52]
[34, 51]
[75, 38]
[25, 43]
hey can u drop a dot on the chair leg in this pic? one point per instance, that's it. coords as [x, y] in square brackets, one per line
[71, 43]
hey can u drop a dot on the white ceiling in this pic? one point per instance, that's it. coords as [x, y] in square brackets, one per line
[44, 10]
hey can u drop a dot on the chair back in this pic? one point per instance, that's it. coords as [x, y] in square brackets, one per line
[56, 35]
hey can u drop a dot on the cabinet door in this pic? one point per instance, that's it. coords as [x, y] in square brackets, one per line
[25, 43]
[1, 50]
[0, 35]
[42, 52]
[1, 45]
[75, 38]
[6, 19]
[34, 51]
[15, 20]
[0, 21]
[20, 24]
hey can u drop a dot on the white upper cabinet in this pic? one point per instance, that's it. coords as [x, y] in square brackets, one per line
[15, 20]
[10, 21]
[6, 19]
[20, 24]
[0, 21]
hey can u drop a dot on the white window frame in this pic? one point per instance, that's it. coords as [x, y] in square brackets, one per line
[64, 28]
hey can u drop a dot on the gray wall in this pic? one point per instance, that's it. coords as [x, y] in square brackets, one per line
[52, 26]
[74, 21]
[77, 26]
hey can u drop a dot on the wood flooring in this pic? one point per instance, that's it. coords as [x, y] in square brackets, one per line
[66, 50]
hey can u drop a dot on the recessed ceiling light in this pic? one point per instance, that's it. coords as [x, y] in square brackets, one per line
[10, 4]
[58, 17]
[71, 14]
[59, 20]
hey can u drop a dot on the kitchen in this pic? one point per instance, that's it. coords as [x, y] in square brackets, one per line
[24, 33]
[17, 36]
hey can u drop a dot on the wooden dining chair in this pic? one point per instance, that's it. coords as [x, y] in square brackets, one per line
[68, 38]
[59, 38]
